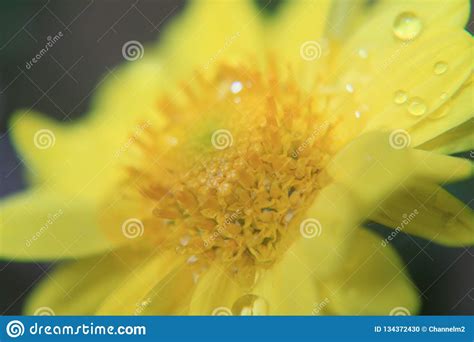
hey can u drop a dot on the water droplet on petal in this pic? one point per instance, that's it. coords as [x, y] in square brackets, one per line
[192, 259]
[184, 240]
[407, 26]
[417, 106]
[440, 68]
[349, 88]
[361, 110]
[250, 305]
[196, 277]
[224, 189]
[236, 87]
[400, 97]
[289, 216]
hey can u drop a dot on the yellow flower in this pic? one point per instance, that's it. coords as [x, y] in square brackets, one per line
[231, 169]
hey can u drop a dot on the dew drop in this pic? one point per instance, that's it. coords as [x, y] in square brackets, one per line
[196, 277]
[289, 216]
[400, 97]
[250, 305]
[224, 189]
[363, 108]
[184, 240]
[236, 87]
[440, 68]
[192, 259]
[407, 26]
[417, 106]
[349, 88]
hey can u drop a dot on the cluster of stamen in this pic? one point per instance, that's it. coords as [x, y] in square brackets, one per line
[237, 198]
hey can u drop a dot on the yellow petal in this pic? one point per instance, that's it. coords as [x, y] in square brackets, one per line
[296, 22]
[428, 211]
[172, 295]
[78, 287]
[376, 29]
[207, 32]
[413, 71]
[126, 102]
[455, 113]
[327, 235]
[455, 140]
[126, 218]
[85, 158]
[372, 281]
[295, 35]
[40, 225]
[136, 288]
[345, 17]
[402, 67]
[379, 163]
[215, 293]
[355, 15]
[365, 173]
[45, 145]
[288, 287]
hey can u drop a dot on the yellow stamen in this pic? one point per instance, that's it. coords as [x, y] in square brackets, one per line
[242, 170]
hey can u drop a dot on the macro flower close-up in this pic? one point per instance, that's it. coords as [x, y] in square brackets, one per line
[236, 165]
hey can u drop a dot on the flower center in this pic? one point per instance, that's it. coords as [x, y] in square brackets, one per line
[237, 167]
